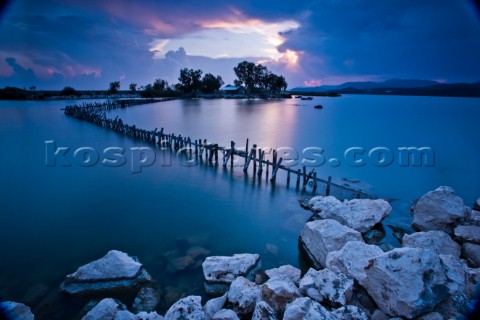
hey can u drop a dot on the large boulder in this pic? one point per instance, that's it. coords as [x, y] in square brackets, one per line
[284, 272]
[278, 292]
[350, 313]
[436, 241]
[243, 295]
[406, 282]
[471, 252]
[263, 312]
[326, 286]
[438, 210]
[455, 272]
[15, 310]
[220, 271]
[147, 300]
[225, 314]
[104, 310]
[468, 234]
[306, 309]
[358, 214]
[474, 218]
[323, 236]
[115, 273]
[214, 305]
[352, 259]
[189, 308]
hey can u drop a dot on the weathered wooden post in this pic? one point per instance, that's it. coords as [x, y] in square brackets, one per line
[298, 178]
[232, 147]
[327, 190]
[261, 154]
[314, 182]
[275, 169]
[246, 151]
[304, 174]
[254, 158]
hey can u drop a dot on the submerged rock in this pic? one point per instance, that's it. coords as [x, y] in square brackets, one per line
[284, 272]
[352, 259]
[326, 286]
[147, 300]
[278, 292]
[243, 295]
[187, 308]
[438, 210]
[263, 312]
[406, 282]
[220, 271]
[306, 309]
[436, 241]
[115, 272]
[358, 214]
[15, 310]
[323, 236]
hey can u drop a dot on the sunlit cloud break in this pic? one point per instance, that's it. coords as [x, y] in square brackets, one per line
[236, 38]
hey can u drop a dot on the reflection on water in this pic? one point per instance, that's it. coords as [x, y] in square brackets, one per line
[54, 219]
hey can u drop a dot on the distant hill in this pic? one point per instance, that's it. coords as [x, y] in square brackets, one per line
[399, 87]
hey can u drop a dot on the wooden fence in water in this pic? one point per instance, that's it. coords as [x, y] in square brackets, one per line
[96, 113]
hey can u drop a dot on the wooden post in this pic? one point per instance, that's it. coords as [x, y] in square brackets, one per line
[288, 177]
[275, 169]
[232, 147]
[261, 154]
[216, 154]
[246, 151]
[314, 182]
[304, 174]
[254, 158]
[327, 190]
[298, 178]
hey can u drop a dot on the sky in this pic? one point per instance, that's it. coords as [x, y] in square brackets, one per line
[87, 44]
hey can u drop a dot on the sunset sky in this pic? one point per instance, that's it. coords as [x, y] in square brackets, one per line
[87, 44]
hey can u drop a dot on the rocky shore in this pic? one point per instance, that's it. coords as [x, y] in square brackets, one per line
[433, 275]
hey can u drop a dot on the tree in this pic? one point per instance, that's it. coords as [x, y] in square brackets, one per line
[210, 83]
[245, 72]
[190, 81]
[133, 87]
[32, 88]
[68, 91]
[160, 85]
[114, 87]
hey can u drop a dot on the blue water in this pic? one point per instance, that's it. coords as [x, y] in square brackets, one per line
[54, 219]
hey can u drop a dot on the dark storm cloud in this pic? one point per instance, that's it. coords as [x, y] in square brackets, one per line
[90, 43]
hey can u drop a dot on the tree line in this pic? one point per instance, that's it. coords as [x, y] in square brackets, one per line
[254, 78]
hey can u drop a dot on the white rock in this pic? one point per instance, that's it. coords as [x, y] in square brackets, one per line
[116, 271]
[455, 271]
[278, 292]
[352, 259]
[147, 300]
[327, 286]
[225, 314]
[148, 316]
[243, 294]
[358, 214]
[468, 233]
[104, 310]
[214, 305]
[263, 312]
[189, 308]
[220, 271]
[323, 236]
[438, 210]
[350, 313]
[284, 272]
[125, 315]
[406, 282]
[15, 310]
[471, 252]
[306, 309]
[436, 241]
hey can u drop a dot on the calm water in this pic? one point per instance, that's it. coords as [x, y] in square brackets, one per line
[54, 219]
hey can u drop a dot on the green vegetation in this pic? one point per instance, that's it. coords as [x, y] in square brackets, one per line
[114, 87]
